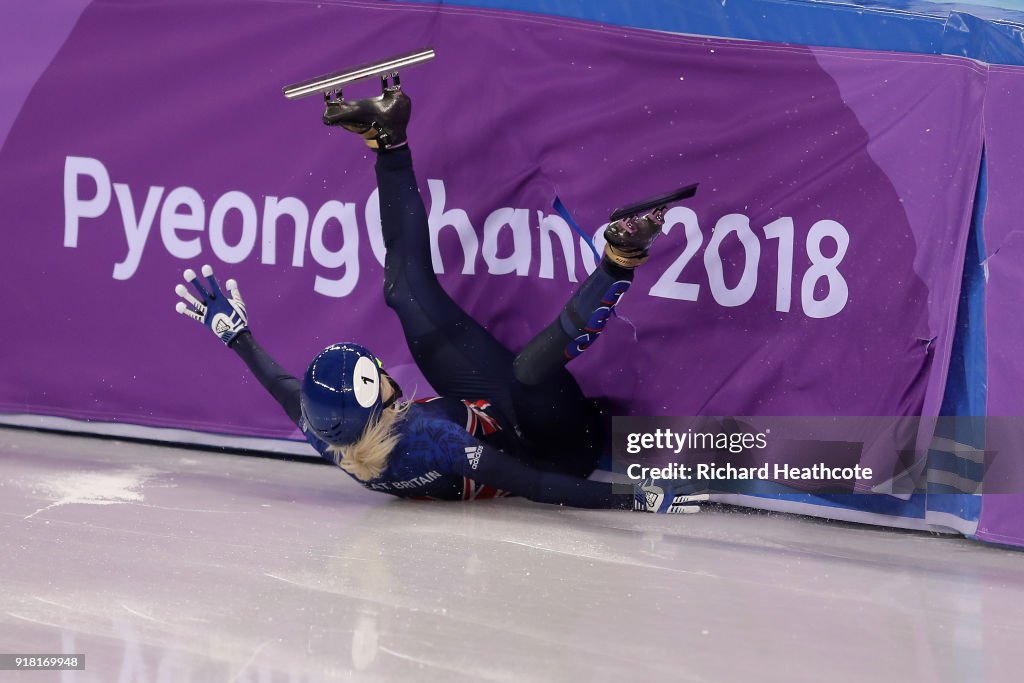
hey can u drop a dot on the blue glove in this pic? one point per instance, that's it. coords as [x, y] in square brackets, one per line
[668, 496]
[225, 317]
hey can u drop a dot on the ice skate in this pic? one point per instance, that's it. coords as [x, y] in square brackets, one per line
[635, 227]
[381, 120]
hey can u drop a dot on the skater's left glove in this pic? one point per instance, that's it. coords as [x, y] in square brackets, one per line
[226, 317]
[667, 496]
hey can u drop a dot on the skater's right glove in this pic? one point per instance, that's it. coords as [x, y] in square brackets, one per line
[668, 496]
[226, 317]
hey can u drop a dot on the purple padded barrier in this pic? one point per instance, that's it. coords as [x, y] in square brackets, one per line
[28, 41]
[169, 116]
[1002, 514]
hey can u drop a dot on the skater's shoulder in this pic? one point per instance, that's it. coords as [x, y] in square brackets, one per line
[422, 411]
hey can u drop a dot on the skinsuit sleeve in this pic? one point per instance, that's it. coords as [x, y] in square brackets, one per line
[281, 385]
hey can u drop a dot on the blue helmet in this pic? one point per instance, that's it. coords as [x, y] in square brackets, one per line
[341, 393]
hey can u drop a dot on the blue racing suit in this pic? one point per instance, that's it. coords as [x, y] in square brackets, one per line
[505, 423]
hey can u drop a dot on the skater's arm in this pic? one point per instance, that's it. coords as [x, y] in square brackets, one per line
[225, 315]
[500, 470]
[490, 466]
[281, 385]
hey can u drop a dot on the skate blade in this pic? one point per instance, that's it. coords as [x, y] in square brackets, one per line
[654, 203]
[338, 79]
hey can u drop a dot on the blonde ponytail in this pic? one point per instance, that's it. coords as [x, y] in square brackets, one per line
[366, 459]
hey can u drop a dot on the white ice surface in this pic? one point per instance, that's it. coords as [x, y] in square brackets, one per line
[162, 564]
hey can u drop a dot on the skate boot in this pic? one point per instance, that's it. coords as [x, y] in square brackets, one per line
[628, 239]
[634, 228]
[381, 120]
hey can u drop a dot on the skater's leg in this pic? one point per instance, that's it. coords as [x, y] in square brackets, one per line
[456, 354]
[546, 398]
[563, 426]
[577, 327]
[550, 407]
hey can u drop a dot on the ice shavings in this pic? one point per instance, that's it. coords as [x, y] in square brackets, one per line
[92, 488]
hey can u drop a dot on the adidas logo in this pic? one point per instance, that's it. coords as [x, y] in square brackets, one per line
[652, 498]
[473, 454]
